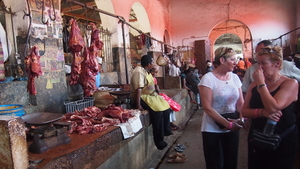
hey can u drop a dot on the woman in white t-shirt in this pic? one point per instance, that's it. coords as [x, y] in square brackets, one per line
[221, 93]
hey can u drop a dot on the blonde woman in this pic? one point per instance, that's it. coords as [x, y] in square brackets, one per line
[221, 95]
[272, 96]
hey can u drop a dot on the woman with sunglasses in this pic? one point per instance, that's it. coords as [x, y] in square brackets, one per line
[221, 95]
[271, 96]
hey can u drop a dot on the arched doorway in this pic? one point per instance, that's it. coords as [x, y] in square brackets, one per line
[139, 19]
[232, 41]
[232, 33]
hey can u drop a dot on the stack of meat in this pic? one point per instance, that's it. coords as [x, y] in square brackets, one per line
[33, 68]
[93, 120]
[76, 44]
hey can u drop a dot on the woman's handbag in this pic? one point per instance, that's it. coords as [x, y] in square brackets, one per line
[267, 142]
[235, 115]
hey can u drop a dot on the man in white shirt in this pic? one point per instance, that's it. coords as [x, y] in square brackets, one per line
[288, 68]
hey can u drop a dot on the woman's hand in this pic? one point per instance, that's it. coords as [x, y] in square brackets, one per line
[247, 124]
[258, 76]
[234, 126]
[275, 116]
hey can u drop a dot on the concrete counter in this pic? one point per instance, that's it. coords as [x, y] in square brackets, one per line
[108, 149]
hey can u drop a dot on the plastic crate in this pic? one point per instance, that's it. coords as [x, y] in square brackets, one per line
[79, 105]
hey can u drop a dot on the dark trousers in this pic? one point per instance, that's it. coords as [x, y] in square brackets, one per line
[160, 125]
[220, 150]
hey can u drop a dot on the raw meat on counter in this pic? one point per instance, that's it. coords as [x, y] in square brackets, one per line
[33, 68]
[93, 119]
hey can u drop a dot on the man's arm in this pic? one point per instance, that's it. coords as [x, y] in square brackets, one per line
[289, 69]
[138, 98]
[246, 81]
[296, 73]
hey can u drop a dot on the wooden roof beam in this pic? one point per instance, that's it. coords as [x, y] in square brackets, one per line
[76, 7]
[76, 16]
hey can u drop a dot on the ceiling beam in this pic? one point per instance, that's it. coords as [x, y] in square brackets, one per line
[76, 16]
[76, 7]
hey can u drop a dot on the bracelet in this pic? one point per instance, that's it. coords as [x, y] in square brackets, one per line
[260, 86]
[230, 125]
[255, 113]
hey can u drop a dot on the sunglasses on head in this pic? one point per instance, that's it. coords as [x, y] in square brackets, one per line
[269, 50]
[228, 50]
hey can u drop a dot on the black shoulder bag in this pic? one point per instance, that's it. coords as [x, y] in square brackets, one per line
[268, 142]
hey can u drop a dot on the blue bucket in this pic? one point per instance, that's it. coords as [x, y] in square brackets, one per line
[12, 110]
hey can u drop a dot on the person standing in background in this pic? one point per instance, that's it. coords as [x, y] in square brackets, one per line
[193, 79]
[209, 66]
[241, 65]
[185, 85]
[247, 63]
[98, 76]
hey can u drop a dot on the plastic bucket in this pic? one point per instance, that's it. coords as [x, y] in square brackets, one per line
[12, 110]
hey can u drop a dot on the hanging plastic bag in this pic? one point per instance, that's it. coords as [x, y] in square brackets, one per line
[174, 105]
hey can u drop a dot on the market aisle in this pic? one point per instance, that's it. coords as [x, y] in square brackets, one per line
[191, 138]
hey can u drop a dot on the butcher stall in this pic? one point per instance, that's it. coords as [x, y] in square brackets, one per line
[109, 137]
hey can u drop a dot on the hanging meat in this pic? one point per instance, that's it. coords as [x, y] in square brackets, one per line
[89, 70]
[76, 44]
[95, 39]
[33, 68]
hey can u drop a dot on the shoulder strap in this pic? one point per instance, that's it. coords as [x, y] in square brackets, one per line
[287, 131]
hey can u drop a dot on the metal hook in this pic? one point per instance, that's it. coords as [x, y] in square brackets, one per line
[94, 13]
[69, 4]
[86, 17]
[43, 8]
[53, 19]
[29, 28]
[29, 12]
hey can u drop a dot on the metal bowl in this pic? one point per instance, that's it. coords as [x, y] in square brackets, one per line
[41, 118]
